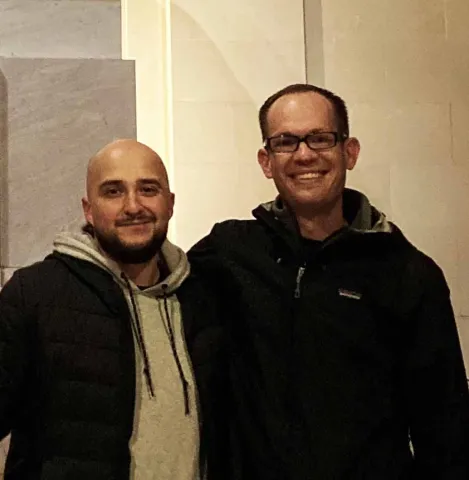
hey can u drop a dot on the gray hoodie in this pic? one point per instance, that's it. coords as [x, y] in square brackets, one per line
[165, 441]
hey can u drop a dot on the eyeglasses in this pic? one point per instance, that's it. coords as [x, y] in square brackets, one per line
[316, 141]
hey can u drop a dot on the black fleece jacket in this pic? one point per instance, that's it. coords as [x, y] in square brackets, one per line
[339, 353]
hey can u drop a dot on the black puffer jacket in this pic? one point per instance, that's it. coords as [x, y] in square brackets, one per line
[67, 371]
[338, 353]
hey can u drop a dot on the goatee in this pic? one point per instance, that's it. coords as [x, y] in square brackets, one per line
[130, 254]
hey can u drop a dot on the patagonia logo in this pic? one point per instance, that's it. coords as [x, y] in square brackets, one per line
[343, 292]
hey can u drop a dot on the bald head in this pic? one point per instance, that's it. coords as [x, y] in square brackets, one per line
[128, 204]
[123, 154]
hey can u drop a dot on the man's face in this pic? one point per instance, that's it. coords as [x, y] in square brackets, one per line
[307, 179]
[129, 204]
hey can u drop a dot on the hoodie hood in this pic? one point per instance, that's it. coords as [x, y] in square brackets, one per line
[360, 215]
[85, 247]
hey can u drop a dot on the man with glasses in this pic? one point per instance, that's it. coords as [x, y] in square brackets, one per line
[345, 362]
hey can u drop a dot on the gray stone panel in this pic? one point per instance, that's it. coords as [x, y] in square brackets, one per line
[3, 160]
[59, 112]
[60, 28]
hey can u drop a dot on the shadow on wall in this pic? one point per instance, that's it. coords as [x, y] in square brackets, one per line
[229, 63]
[3, 173]
[217, 90]
[201, 67]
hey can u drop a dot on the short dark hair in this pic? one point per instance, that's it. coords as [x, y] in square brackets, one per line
[340, 109]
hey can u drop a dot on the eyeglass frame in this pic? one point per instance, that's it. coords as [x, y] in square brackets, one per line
[337, 139]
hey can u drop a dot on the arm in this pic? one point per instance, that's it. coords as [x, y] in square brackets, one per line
[437, 390]
[14, 353]
[219, 438]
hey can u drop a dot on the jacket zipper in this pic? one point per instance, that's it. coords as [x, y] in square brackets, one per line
[299, 276]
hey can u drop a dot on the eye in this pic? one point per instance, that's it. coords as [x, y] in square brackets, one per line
[112, 191]
[286, 141]
[321, 138]
[150, 190]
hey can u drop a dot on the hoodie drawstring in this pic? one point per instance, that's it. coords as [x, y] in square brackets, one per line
[185, 384]
[137, 329]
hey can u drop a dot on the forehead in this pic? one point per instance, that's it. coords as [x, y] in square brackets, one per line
[128, 167]
[300, 113]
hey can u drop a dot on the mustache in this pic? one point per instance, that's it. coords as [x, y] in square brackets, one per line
[135, 220]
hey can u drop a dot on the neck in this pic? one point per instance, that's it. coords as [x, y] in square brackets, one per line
[142, 274]
[318, 225]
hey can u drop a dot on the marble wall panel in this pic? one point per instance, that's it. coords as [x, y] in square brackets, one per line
[59, 112]
[3, 160]
[60, 28]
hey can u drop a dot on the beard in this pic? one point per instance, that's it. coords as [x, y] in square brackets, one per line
[130, 254]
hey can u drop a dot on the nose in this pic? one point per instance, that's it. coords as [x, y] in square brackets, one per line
[304, 153]
[132, 204]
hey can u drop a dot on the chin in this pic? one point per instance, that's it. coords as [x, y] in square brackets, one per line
[135, 245]
[309, 202]
[136, 236]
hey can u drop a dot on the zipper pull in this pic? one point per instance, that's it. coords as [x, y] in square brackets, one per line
[299, 275]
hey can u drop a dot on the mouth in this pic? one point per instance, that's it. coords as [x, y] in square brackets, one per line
[134, 224]
[308, 176]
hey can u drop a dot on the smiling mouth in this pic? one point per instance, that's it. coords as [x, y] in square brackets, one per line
[133, 224]
[309, 175]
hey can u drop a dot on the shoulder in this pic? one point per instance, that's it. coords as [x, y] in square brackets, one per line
[25, 289]
[232, 234]
[423, 281]
[236, 228]
[222, 236]
[414, 264]
[421, 267]
[52, 278]
[426, 271]
[24, 275]
[28, 284]
[52, 269]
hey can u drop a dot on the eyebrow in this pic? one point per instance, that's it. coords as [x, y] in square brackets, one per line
[140, 181]
[110, 183]
[311, 132]
[149, 181]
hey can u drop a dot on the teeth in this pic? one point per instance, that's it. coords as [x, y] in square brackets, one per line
[309, 176]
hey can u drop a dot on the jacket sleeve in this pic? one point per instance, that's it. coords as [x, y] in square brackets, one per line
[436, 384]
[220, 442]
[14, 353]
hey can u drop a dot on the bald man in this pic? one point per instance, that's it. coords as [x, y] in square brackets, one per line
[96, 378]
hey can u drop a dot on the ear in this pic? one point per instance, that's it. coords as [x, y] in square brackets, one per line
[264, 161]
[85, 204]
[352, 150]
[171, 201]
